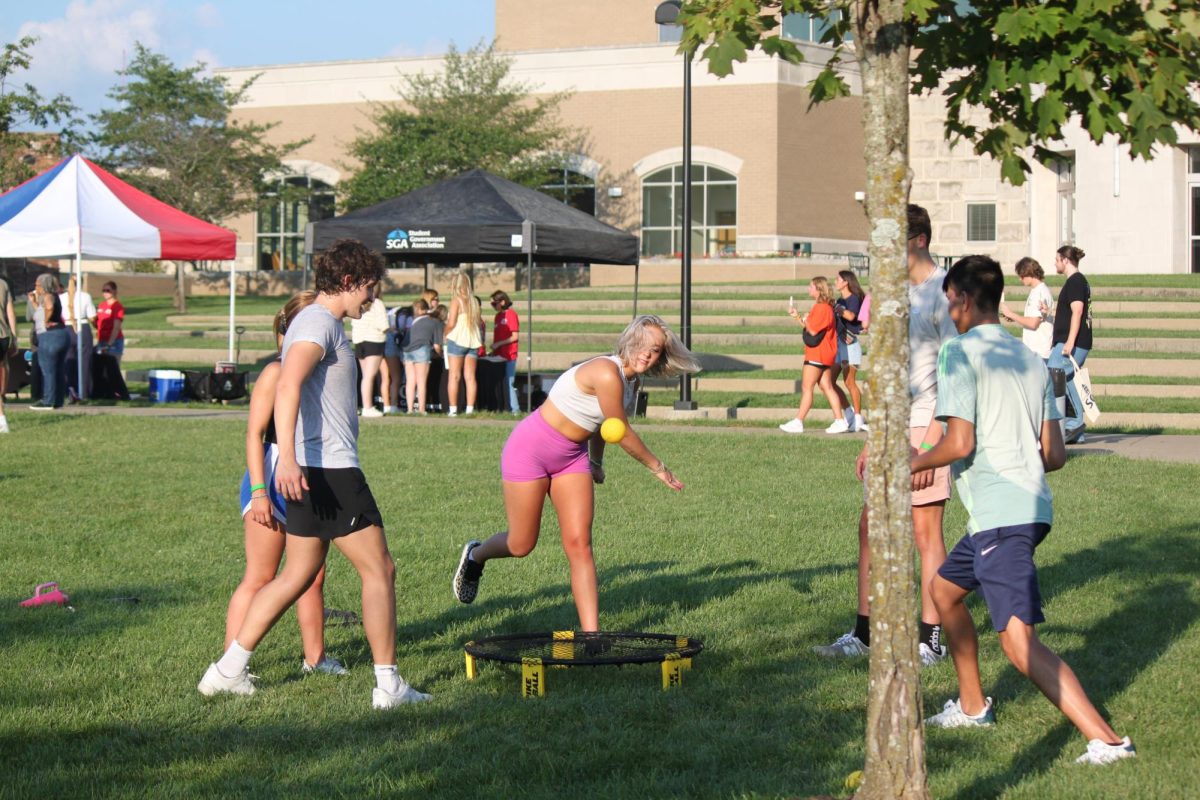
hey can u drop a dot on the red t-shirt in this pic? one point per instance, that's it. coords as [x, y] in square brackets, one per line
[106, 315]
[820, 318]
[506, 325]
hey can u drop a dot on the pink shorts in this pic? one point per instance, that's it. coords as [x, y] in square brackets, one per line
[938, 491]
[534, 451]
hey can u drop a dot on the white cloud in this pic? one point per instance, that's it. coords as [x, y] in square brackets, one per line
[90, 38]
[206, 57]
[208, 16]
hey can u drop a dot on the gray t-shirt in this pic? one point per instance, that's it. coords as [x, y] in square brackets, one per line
[423, 333]
[929, 327]
[4, 300]
[327, 425]
[988, 378]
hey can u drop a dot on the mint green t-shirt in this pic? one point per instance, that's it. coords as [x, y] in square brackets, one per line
[990, 379]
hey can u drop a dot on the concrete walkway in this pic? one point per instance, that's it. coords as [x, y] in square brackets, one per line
[1148, 447]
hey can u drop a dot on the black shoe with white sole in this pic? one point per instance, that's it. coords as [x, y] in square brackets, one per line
[466, 577]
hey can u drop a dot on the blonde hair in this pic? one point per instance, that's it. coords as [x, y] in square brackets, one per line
[285, 315]
[675, 359]
[461, 289]
[824, 295]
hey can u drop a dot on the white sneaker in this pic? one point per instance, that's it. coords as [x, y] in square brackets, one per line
[838, 426]
[849, 415]
[452, 412]
[470, 410]
[327, 666]
[214, 682]
[390, 410]
[372, 411]
[3, 424]
[847, 646]
[953, 716]
[792, 426]
[860, 423]
[382, 698]
[1101, 752]
[929, 656]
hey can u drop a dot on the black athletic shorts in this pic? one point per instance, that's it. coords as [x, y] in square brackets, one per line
[338, 502]
[365, 349]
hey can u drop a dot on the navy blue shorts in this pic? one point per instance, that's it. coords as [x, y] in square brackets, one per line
[998, 563]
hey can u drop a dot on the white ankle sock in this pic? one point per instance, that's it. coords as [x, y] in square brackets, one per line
[387, 678]
[470, 409]
[235, 660]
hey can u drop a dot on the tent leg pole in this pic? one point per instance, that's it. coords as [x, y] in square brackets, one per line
[80, 389]
[232, 305]
[529, 327]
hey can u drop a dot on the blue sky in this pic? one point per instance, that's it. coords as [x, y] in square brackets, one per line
[83, 42]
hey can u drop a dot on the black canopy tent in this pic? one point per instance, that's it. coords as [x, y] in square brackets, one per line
[479, 217]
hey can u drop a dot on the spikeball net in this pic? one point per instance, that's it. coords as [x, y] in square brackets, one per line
[536, 651]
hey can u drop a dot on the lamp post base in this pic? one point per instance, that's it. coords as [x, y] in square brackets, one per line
[685, 405]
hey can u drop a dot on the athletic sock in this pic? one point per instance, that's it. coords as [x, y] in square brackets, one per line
[236, 659]
[387, 678]
[862, 629]
[931, 634]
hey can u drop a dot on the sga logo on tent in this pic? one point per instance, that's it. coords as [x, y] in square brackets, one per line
[416, 240]
[397, 240]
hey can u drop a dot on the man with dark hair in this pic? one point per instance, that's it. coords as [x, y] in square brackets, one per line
[328, 500]
[1002, 437]
[929, 325]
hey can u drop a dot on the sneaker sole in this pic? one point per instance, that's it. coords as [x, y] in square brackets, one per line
[462, 566]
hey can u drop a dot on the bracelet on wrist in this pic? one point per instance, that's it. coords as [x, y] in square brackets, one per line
[660, 469]
[926, 446]
[258, 486]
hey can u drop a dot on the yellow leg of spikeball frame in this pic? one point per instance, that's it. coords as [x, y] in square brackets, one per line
[672, 671]
[471, 671]
[533, 678]
[563, 647]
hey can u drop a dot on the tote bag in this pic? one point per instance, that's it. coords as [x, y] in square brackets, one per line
[1083, 386]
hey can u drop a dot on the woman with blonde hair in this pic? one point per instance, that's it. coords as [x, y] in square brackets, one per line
[557, 452]
[264, 514]
[820, 354]
[462, 342]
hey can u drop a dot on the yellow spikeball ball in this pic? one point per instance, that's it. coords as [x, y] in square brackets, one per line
[854, 780]
[613, 430]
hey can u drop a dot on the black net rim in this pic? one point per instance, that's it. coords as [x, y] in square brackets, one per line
[501, 648]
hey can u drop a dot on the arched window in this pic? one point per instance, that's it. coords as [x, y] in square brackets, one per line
[714, 211]
[282, 215]
[573, 188]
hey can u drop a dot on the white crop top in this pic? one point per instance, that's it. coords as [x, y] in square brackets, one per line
[584, 409]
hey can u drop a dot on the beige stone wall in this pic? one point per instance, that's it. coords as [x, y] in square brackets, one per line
[565, 24]
[946, 179]
[820, 167]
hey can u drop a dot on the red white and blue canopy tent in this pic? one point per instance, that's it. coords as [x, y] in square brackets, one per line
[77, 210]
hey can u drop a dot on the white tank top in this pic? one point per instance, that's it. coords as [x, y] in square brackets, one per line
[584, 409]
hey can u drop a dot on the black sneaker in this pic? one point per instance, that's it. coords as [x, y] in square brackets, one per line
[40, 406]
[466, 577]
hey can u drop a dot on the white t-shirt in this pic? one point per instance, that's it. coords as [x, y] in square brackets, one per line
[991, 380]
[85, 309]
[371, 326]
[929, 327]
[327, 424]
[1040, 340]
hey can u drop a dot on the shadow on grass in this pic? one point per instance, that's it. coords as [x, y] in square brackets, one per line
[1132, 638]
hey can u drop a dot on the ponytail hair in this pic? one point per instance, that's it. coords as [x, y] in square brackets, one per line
[1072, 254]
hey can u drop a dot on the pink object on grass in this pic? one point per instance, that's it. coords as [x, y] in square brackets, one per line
[46, 594]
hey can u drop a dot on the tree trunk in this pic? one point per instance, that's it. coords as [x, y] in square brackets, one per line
[895, 765]
[180, 288]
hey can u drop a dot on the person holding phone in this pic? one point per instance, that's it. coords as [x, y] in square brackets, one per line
[820, 353]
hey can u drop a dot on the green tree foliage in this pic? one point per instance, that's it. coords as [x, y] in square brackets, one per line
[22, 106]
[1013, 72]
[472, 114]
[172, 136]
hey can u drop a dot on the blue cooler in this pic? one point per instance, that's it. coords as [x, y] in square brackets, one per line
[166, 385]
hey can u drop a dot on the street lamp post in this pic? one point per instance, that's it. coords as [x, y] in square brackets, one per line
[667, 13]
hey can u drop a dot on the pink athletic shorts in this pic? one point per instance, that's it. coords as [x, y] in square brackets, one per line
[938, 491]
[534, 451]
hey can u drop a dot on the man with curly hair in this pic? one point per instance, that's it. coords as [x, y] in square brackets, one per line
[328, 500]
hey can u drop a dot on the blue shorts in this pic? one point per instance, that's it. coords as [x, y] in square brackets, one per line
[391, 348]
[999, 564]
[849, 353]
[421, 355]
[458, 351]
[278, 505]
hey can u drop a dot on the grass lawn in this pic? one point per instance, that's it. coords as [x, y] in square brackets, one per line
[756, 556]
